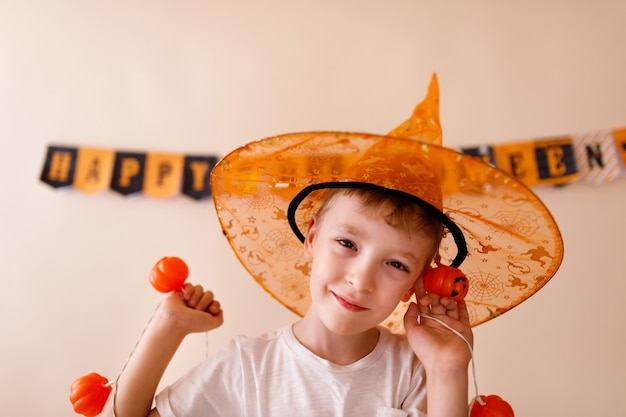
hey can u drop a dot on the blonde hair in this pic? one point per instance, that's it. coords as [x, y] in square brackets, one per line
[400, 213]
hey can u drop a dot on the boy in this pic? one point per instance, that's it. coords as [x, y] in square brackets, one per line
[368, 250]
[370, 214]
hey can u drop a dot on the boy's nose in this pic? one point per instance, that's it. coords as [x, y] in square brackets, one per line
[361, 277]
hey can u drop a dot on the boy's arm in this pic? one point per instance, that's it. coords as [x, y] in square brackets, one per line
[447, 393]
[193, 310]
[444, 355]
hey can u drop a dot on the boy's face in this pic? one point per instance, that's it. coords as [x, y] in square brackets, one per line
[361, 266]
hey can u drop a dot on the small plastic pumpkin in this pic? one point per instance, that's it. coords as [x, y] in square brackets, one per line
[169, 274]
[89, 393]
[446, 281]
[494, 406]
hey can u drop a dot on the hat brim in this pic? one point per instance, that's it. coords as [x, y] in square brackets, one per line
[513, 244]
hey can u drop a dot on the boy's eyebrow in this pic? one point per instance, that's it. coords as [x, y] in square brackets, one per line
[409, 254]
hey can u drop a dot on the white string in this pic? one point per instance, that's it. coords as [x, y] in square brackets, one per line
[206, 347]
[471, 351]
[113, 383]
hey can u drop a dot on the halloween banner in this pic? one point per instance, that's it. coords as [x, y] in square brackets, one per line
[157, 175]
[592, 157]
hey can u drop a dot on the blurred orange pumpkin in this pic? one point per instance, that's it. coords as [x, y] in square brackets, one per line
[169, 274]
[494, 407]
[89, 393]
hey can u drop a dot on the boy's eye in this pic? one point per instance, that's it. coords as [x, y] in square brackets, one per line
[346, 243]
[398, 265]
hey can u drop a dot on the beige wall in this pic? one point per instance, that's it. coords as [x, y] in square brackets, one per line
[205, 77]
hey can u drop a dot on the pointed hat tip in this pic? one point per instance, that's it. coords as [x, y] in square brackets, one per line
[423, 125]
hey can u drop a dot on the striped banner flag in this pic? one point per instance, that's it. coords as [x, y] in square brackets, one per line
[596, 156]
[619, 135]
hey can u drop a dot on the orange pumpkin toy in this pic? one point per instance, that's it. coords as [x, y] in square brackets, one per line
[446, 281]
[169, 274]
[89, 393]
[494, 407]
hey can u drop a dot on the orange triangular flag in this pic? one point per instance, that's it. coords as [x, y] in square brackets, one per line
[93, 169]
[163, 176]
[518, 160]
[619, 135]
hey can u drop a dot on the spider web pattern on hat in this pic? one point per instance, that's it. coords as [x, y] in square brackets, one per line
[513, 243]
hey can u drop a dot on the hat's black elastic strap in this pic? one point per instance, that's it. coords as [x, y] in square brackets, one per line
[455, 230]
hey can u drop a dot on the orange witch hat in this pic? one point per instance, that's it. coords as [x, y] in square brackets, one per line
[498, 231]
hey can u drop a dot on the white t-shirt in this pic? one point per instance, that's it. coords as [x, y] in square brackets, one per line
[273, 375]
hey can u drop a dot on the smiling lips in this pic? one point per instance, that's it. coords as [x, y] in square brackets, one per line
[348, 305]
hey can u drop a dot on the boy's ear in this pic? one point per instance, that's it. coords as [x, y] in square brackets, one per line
[309, 237]
[418, 286]
[408, 294]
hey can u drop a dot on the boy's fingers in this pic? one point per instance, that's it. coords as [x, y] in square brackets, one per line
[215, 308]
[204, 299]
[410, 317]
[431, 303]
[463, 312]
[194, 296]
[208, 303]
[188, 291]
[451, 307]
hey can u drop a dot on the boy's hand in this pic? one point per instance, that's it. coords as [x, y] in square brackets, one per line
[436, 346]
[192, 310]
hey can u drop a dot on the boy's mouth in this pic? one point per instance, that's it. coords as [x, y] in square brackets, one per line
[348, 304]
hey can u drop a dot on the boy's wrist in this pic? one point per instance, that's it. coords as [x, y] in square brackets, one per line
[168, 326]
[446, 370]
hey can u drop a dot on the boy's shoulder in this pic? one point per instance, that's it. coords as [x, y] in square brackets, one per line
[395, 343]
[266, 340]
